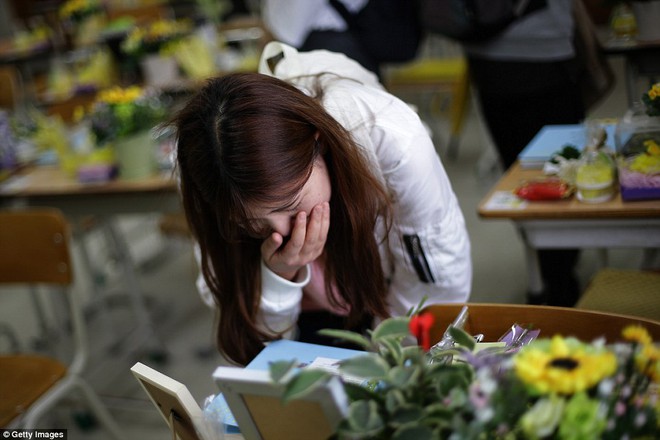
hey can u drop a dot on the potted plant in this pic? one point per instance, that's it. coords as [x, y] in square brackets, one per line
[152, 46]
[637, 139]
[559, 388]
[85, 19]
[125, 118]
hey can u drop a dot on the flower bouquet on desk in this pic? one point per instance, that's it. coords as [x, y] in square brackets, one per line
[558, 388]
[123, 119]
[153, 46]
[638, 147]
[85, 20]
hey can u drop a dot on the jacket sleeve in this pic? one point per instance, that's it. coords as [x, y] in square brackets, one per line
[280, 298]
[280, 301]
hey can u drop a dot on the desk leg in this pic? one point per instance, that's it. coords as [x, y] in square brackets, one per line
[534, 280]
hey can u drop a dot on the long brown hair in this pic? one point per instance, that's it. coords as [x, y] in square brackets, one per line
[247, 138]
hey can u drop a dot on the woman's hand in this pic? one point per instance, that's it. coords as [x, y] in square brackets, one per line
[304, 246]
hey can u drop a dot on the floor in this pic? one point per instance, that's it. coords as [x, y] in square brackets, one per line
[181, 343]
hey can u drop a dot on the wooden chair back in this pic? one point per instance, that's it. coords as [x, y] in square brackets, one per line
[493, 320]
[9, 87]
[34, 247]
[141, 14]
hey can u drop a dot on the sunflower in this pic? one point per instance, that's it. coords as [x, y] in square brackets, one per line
[563, 365]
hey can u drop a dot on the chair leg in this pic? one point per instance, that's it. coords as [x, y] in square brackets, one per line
[99, 410]
[31, 418]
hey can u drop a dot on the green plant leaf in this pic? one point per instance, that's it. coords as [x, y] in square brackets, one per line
[406, 414]
[462, 338]
[394, 400]
[413, 432]
[404, 377]
[363, 417]
[346, 335]
[361, 392]
[391, 328]
[392, 349]
[418, 308]
[303, 383]
[368, 366]
[279, 369]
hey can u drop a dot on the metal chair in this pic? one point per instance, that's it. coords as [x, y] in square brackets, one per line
[35, 251]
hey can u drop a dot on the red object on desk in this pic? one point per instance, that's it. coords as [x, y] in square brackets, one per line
[547, 189]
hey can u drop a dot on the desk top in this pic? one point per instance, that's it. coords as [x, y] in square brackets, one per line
[46, 181]
[558, 209]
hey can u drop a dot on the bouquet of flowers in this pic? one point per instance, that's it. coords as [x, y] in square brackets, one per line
[559, 388]
[121, 112]
[651, 100]
[78, 10]
[155, 37]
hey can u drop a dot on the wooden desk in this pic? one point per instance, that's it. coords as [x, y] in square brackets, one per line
[49, 186]
[570, 223]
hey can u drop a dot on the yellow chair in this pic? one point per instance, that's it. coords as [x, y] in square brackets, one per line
[35, 251]
[628, 291]
[438, 77]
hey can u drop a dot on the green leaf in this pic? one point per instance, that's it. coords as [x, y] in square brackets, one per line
[363, 417]
[393, 349]
[394, 400]
[462, 337]
[360, 392]
[391, 328]
[303, 383]
[418, 308]
[403, 377]
[346, 335]
[413, 432]
[406, 414]
[367, 366]
[279, 369]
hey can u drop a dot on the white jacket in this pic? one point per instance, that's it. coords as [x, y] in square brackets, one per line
[402, 155]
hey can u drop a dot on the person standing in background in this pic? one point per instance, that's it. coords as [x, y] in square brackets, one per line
[316, 24]
[525, 78]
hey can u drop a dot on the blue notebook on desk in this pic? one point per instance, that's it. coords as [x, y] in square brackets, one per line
[552, 138]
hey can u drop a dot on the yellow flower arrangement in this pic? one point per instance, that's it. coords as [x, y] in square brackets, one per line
[78, 10]
[155, 37]
[652, 100]
[120, 112]
[558, 388]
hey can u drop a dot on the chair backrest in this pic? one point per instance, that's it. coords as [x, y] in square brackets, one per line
[34, 247]
[493, 320]
[9, 87]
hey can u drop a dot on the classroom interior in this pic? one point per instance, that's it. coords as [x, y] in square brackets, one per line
[179, 339]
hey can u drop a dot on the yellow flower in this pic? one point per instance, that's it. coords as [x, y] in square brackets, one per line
[563, 365]
[637, 333]
[118, 95]
[652, 147]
